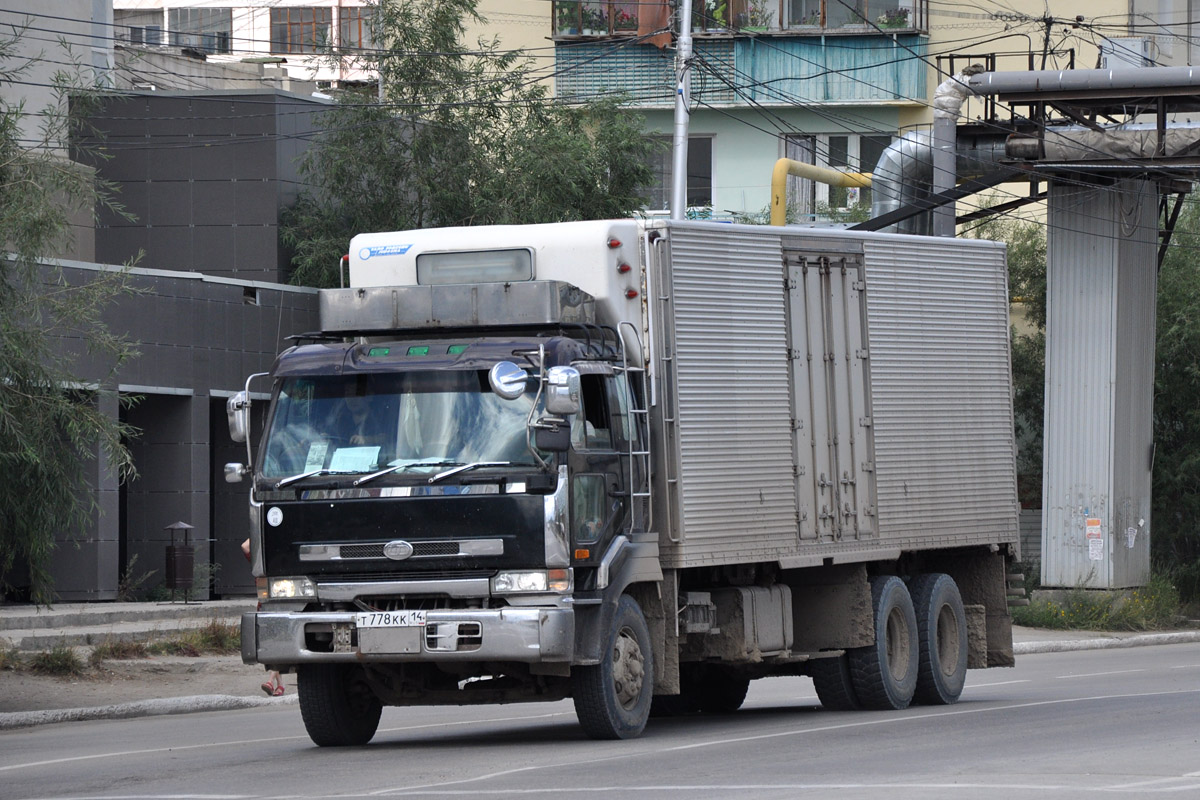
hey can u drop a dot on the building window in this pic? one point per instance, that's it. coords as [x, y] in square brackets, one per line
[867, 14]
[209, 30]
[699, 174]
[809, 200]
[300, 30]
[801, 192]
[354, 28]
[138, 27]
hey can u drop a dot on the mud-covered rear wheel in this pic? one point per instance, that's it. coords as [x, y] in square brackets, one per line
[337, 705]
[835, 688]
[942, 633]
[885, 673]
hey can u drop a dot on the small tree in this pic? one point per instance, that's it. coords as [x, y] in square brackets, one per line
[461, 137]
[1027, 291]
[1176, 498]
[50, 425]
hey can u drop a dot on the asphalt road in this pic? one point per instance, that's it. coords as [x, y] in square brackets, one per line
[1122, 723]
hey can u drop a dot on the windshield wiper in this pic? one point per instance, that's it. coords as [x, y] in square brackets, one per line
[477, 465]
[397, 467]
[293, 478]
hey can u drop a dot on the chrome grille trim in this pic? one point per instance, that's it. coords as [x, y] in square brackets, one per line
[436, 548]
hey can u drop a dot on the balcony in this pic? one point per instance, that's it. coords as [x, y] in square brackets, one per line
[585, 19]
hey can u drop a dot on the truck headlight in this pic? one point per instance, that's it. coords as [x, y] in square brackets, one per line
[545, 580]
[287, 588]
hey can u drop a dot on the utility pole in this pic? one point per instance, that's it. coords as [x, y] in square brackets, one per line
[683, 96]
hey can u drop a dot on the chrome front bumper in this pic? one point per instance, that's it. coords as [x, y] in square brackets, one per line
[530, 635]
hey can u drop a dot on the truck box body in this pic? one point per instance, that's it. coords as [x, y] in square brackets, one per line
[836, 395]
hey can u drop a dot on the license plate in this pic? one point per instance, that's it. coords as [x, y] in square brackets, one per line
[390, 619]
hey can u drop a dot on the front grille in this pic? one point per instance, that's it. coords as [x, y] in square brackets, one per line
[434, 549]
[361, 551]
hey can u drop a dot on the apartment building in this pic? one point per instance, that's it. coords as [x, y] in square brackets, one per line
[831, 82]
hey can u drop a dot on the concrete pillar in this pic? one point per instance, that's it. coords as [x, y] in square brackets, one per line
[86, 563]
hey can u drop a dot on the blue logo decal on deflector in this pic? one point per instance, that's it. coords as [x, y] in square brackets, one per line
[386, 250]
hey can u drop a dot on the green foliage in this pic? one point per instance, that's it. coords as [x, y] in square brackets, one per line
[131, 580]
[60, 660]
[10, 659]
[465, 136]
[1027, 292]
[1153, 607]
[50, 425]
[1175, 510]
[215, 637]
[117, 650]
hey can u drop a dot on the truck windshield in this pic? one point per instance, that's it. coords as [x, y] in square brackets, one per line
[363, 423]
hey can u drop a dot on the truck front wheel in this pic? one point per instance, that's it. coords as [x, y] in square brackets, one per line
[337, 706]
[942, 631]
[885, 673]
[612, 698]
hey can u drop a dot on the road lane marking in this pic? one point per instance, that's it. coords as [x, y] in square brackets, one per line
[629, 753]
[175, 748]
[1098, 674]
[998, 683]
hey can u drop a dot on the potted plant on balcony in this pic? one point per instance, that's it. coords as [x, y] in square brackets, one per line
[758, 15]
[715, 19]
[625, 20]
[595, 21]
[893, 18]
[566, 22]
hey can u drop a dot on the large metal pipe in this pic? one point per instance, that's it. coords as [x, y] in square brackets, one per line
[1105, 82]
[786, 166]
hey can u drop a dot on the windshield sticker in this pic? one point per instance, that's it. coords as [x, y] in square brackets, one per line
[316, 456]
[354, 459]
[385, 250]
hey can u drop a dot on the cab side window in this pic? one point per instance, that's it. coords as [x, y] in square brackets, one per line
[597, 423]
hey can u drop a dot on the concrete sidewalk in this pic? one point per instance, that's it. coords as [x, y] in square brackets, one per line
[86, 625]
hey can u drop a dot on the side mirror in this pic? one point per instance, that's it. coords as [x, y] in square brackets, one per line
[235, 472]
[562, 390]
[554, 437]
[508, 380]
[237, 409]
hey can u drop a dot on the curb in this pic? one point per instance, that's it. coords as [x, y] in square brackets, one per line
[141, 708]
[1179, 637]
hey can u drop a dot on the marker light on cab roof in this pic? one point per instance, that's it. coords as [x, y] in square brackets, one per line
[480, 266]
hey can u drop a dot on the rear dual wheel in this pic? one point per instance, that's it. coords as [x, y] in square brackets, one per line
[884, 674]
[920, 649]
[942, 637]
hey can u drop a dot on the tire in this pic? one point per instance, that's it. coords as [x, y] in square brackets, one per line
[835, 688]
[612, 698]
[885, 674]
[337, 706]
[942, 637]
[688, 699]
[722, 691]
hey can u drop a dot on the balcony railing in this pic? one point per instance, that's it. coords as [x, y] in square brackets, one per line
[592, 18]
